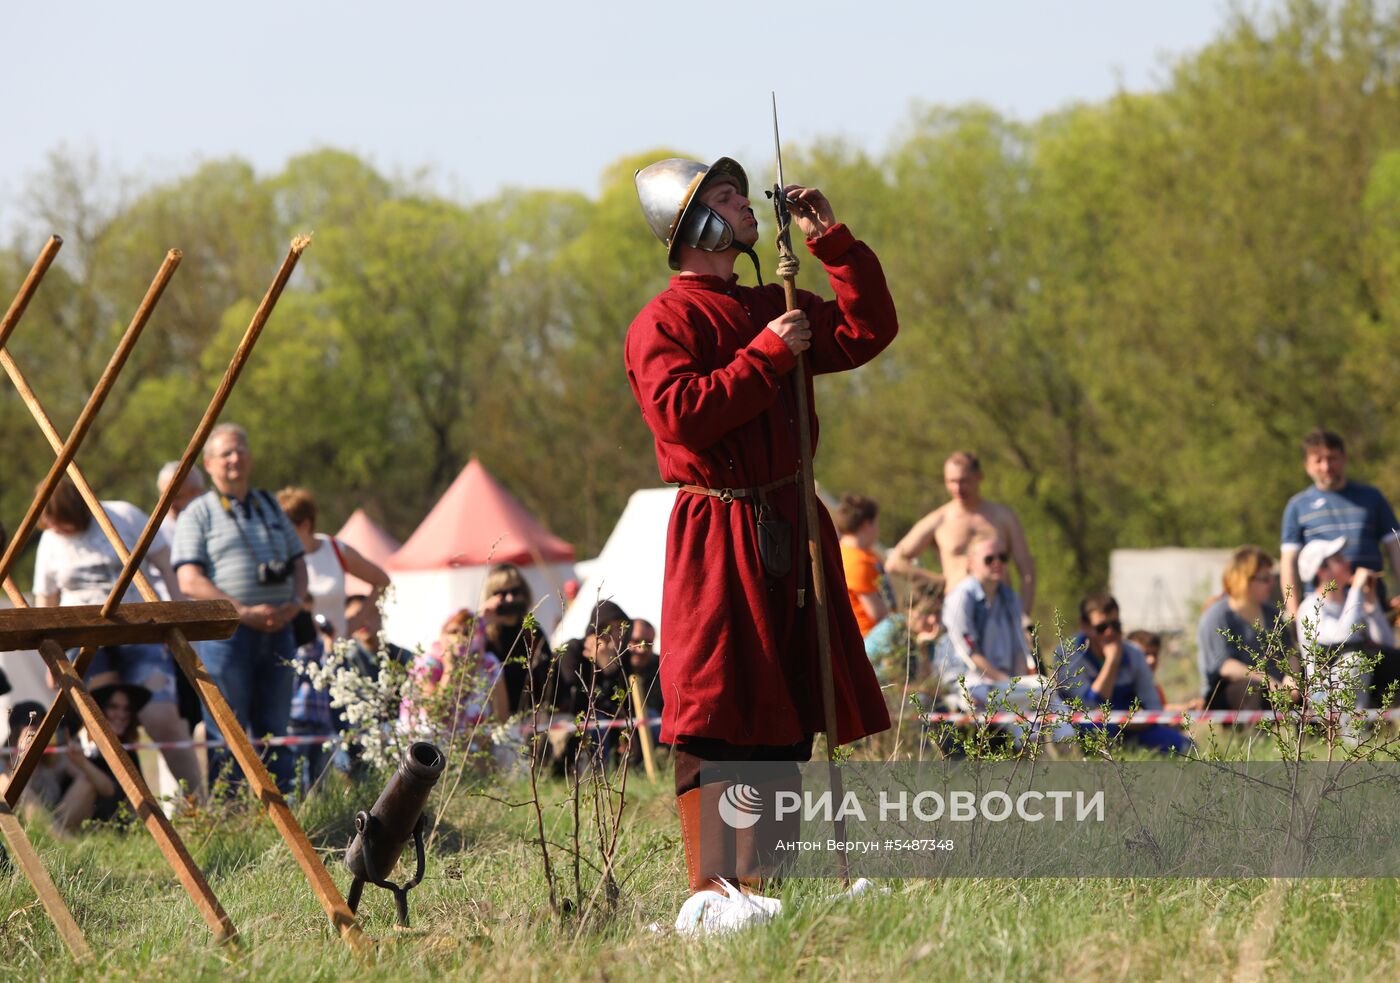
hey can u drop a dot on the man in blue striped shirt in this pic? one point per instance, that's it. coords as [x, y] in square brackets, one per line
[1335, 507]
[235, 543]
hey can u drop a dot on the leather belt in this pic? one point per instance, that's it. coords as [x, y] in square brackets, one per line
[729, 494]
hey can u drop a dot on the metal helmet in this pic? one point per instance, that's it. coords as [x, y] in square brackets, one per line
[670, 194]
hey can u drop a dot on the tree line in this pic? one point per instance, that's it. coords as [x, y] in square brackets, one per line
[1131, 310]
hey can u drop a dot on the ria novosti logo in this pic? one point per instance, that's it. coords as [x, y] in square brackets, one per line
[741, 806]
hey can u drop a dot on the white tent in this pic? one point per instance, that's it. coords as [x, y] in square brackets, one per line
[631, 567]
[1164, 589]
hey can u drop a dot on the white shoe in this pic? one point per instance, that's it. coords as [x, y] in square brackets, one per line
[713, 913]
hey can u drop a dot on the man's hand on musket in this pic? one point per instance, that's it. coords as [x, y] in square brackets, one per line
[795, 330]
[810, 209]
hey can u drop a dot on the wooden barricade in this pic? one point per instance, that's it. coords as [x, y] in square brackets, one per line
[175, 624]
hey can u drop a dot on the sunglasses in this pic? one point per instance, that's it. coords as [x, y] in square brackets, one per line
[1104, 627]
[996, 558]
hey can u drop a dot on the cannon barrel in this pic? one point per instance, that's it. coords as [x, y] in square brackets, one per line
[384, 832]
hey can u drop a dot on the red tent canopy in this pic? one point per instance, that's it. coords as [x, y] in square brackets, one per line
[370, 541]
[477, 522]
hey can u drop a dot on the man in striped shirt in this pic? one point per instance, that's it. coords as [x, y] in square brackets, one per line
[235, 543]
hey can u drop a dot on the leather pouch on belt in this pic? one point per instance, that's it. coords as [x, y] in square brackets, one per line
[774, 544]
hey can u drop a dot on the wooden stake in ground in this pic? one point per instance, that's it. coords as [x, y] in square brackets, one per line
[787, 272]
[639, 710]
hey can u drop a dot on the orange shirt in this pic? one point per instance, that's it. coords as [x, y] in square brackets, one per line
[864, 575]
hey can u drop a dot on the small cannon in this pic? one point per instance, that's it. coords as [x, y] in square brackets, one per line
[383, 832]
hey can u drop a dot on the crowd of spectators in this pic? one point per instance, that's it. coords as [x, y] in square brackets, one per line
[965, 638]
[961, 638]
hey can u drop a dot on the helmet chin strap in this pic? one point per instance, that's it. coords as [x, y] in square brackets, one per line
[751, 254]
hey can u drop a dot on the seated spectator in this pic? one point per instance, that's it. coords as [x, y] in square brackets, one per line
[642, 662]
[328, 560]
[1151, 644]
[857, 519]
[506, 599]
[1349, 611]
[589, 683]
[1341, 610]
[901, 648]
[120, 703]
[456, 683]
[64, 786]
[1101, 668]
[365, 625]
[991, 662]
[1239, 640]
[75, 564]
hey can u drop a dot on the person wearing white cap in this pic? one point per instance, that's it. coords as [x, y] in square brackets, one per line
[1343, 610]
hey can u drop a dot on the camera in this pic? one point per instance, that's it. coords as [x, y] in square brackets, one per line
[274, 571]
[512, 609]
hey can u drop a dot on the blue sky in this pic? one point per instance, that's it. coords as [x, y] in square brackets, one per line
[480, 96]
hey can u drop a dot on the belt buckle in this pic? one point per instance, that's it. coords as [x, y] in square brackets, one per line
[726, 495]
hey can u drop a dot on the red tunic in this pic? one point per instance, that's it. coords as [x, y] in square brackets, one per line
[716, 389]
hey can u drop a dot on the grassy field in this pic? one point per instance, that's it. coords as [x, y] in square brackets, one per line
[482, 912]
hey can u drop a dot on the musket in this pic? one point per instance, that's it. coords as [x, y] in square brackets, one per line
[787, 272]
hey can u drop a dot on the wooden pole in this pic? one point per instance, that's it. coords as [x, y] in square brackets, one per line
[28, 287]
[43, 885]
[90, 409]
[819, 592]
[787, 272]
[131, 560]
[639, 710]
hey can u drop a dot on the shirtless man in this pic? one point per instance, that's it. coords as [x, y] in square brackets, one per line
[953, 527]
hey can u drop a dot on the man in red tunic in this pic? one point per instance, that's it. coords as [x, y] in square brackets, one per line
[711, 366]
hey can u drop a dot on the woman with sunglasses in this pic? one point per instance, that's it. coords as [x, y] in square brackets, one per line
[505, 600]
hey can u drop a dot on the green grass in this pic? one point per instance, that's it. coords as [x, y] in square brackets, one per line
[482, 912]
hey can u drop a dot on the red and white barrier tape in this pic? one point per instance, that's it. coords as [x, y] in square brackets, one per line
[305, 739]
[1176, 717]
[289, 741]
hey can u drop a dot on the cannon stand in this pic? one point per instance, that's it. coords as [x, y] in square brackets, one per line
[369, 829]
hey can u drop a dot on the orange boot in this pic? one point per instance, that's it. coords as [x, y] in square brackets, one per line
[708, 840]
